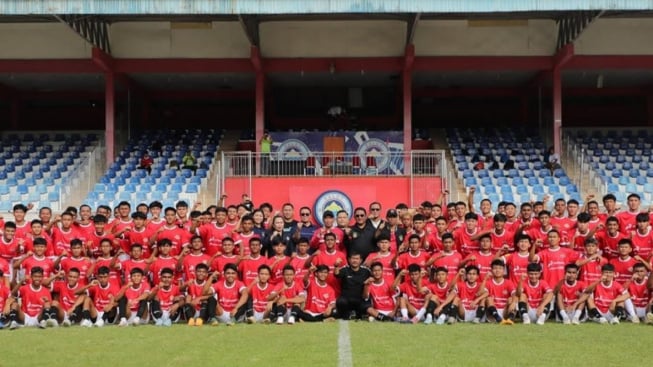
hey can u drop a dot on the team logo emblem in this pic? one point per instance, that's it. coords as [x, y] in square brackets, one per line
[292, 149]
[376, 148]
[333, 201]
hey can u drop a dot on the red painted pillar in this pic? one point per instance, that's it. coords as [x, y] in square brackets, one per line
[109, 116]
[407, 92]
[557, 111]
[260, 114]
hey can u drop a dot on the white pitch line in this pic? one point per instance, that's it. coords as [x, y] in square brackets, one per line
[344, 346]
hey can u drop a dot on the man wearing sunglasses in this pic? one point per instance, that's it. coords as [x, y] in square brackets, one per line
[305, 228]
[375, 214]
[360, 237]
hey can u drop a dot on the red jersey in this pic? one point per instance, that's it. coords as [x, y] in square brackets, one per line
[189, 263]
[133, 293]
[222, 260]
[154, 226]
[32, 299]
[277, 264]
[455, 224]
[161, 263]
[451, 261]
[571, 292]
[535, 292]
[500, 240]
[413, 295]
[228, 295]
[8, 250]
[67, 296]
[383, 296]
[83, 264]
[259, 296]
[7, 270]
[578, 241]
[5, 292]
[482, 261]
[196, 290]
[102, 296]
[295, 289]
[591, 271]
[593, 223]
[168, 296]
[62, 238]
[177, 236]
[212, 236]
[248, 268]
[95, 238]
[142, 238]
[119, 225]
[114, 275]
[464, 244]
[516, 264]
[84, 230]
[605, 294]
[128, 265]
[319, 298]
[242, 241]
[386, 261]
[31, 262]
[438, 290]
[609, 243]
[627, 221]
[643, 243]
[639, 293]
[29, 243]
[500, 292]
[406, 259]
[623, 268]
[317, 240]
[329, 259]
[299, 264]
[554, 261]
[467, 293]
[565, 224]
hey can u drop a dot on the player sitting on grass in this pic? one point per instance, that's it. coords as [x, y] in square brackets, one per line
[607, 303]
[259, 292]
[413, 295]
[320, 296]
[198, 305]
[35, 307]
[438, 302]
[500, 303]
[101, 303]
[379, 295]
[534, 296]
[133, 299]
[469, 294]
[166, 299]
[640, 293]
[287, 297]
[570, 296]
[69, 301]
[5, 302]
[230, 293]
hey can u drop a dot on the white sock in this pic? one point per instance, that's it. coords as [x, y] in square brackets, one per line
[542, 318]
[404, 313]
[420, 313]
[564, 315]
[630, 308]
[577, 314]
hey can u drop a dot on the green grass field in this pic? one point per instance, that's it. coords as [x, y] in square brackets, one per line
[372, 344]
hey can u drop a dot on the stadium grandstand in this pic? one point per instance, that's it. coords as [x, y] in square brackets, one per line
[399, 114]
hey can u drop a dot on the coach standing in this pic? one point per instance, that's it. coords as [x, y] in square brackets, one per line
[360, 238]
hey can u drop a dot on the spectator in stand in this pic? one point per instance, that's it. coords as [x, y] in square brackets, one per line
[188, 161]
[266, 149]
[551, 160]
[146, 163]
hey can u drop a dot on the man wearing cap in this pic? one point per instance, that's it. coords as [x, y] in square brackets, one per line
[390, 229]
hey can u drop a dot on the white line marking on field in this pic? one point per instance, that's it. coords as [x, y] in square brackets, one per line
[344, 346]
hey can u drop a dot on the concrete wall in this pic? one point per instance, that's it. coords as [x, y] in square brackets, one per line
[41, 41]
[332, 38]
[490, 38]
[168, 40]
[617, 37]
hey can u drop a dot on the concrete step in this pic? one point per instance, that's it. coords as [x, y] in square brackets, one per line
[229, 143]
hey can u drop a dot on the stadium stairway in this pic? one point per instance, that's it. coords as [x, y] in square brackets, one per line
[457, 190]
[229, 143]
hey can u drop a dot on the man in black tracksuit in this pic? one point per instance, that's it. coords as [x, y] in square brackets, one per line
[350, 304]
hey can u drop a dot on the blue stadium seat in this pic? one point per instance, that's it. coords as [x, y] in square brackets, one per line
[192, 189]
[631, 188]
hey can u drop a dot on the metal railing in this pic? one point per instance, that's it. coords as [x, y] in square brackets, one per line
[417, 163]
[577, 164]
[76, 185]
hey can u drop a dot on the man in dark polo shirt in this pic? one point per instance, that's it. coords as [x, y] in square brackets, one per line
[360, 237]
[350, 304]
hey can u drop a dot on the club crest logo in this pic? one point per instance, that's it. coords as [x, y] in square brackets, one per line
[292, 149]
[376, 148]
[333, 201]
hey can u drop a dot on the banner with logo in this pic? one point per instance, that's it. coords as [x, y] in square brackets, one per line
[385, 146]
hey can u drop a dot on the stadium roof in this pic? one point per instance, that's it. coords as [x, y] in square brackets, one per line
[233, 7]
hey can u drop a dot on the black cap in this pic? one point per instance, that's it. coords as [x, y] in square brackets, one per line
[391, 213]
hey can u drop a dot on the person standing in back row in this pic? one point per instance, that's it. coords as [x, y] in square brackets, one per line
[266, 148]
